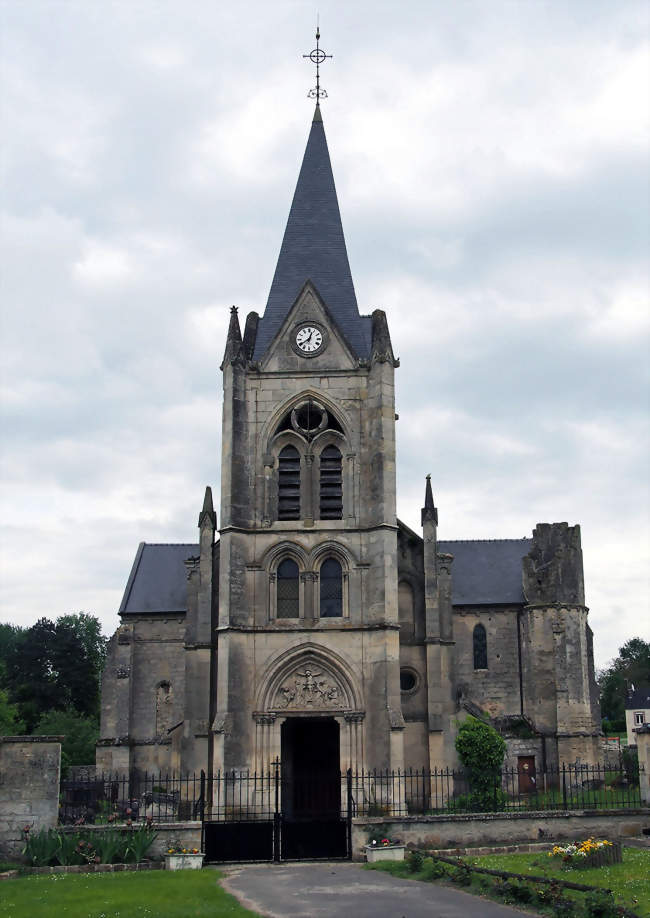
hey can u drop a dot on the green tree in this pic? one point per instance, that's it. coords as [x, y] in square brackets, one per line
[11, 638]
[31, 675]
[481, 751]
[79, 735]
[53, 666]
[630, 667]
[78, 653]
[10, 722]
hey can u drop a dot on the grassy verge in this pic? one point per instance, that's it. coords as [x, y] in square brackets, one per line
[158, 894]
[629, 881]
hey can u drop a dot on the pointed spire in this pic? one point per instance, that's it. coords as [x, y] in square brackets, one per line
[207, 514]
[429, 511]
[313, 248]
[234, 352]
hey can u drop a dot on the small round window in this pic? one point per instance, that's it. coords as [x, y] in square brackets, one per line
[408, 680]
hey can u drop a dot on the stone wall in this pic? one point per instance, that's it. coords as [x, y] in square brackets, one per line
[462, 831]
[495, 689]
[30, 773]
[143, 688]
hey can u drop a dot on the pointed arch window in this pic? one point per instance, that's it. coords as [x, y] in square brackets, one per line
[331, 484]
[289, 484]
[288, 590]
[331, 589]
[479, 640]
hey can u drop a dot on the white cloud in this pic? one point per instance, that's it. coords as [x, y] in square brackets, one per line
[491, 163]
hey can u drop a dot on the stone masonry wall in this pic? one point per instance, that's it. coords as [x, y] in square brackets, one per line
[495, 689]
[30, 772]
[501, 829]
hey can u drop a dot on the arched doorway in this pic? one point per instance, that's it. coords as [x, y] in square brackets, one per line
[313, 824]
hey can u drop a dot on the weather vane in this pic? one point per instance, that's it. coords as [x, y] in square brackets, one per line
[317, 56]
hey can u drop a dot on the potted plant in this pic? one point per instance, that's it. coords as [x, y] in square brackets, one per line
[384, 850]
[179, 858]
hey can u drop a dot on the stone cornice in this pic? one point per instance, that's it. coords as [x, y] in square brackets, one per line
[250, 530]
[569, 606]
[298, 629]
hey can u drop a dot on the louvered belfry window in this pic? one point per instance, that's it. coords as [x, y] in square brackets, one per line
[289, 484]
[331, 484]
[288, 590]
[480, 647]
[331, 589]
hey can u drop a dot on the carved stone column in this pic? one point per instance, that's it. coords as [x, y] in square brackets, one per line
[268, 489]
[273, 596]
[308, 490]
[308, 579]
[349, 497]
[264, 723]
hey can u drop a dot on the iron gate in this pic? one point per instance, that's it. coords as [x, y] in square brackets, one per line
[252, 816]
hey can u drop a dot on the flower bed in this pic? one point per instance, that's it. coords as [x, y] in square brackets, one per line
[52, 847]
[588, 853]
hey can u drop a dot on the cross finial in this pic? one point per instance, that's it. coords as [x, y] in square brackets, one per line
[317, 56]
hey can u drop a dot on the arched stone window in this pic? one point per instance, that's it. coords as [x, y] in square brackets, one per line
[331, 484]
[288, 590]
[289, 484]
[479, 639]
[164, 699]
[331, 589]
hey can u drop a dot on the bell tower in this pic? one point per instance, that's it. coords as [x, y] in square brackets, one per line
[308, 632]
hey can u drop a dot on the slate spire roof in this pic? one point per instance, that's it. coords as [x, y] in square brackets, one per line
[313, 248]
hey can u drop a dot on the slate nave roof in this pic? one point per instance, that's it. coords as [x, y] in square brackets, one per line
[483, 573]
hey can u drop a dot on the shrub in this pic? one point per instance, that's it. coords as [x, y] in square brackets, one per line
[482, 800]
[630, 757]
[481, 750]
[521, 892]
[41, 848]
[601, 905]
[461, 874]
[68, 852]
[433, 869]
[377, 833]
[111, 846]
[139, 842]
[415, 861]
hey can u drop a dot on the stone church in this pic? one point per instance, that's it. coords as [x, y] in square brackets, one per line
[308, 622]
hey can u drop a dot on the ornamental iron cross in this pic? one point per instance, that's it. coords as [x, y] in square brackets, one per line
[317, 56]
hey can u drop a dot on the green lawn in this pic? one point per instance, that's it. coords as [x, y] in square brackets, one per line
[628, 881]
[156, 894]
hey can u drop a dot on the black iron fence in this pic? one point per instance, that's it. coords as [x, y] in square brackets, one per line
[134, 797]
[415, 792]
[250, 796]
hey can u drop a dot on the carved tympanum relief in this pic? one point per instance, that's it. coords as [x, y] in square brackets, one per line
[309, 689]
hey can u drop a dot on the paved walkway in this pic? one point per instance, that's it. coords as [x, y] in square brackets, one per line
[339, 890]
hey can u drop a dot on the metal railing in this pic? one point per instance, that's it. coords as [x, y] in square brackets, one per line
[252, 796]
[134, 797]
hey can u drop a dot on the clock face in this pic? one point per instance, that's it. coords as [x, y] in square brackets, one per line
[309, 339]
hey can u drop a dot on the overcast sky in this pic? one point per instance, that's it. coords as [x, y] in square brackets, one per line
[491, 162]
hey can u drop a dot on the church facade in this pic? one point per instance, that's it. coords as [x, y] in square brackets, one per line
[308, 623]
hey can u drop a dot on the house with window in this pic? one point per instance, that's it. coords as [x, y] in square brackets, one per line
[308, 623]
[637, 710]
